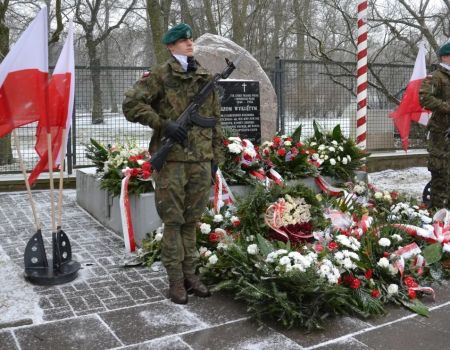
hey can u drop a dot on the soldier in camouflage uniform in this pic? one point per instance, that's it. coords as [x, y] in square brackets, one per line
[183, 184]
[435, 96]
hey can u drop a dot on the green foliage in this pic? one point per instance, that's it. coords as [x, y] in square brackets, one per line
[432, 253]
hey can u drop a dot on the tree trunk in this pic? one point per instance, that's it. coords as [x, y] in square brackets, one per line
[209, 16]
[5, 142]
[94, 63]
[154, 11]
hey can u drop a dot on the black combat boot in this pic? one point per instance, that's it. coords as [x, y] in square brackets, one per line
[195, 286]
[177, 292]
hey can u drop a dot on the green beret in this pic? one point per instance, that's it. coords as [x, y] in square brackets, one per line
[180, 31]
[444, 50]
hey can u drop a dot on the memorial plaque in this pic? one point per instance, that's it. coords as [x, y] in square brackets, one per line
[240, 109]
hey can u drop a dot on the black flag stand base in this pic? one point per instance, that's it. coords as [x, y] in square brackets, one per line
[61, 269]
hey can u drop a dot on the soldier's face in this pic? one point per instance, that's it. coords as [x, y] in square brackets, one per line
[445, 59]
[182, 47]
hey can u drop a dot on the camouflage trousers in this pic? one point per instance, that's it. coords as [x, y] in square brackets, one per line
[439, 166]
[181, 195]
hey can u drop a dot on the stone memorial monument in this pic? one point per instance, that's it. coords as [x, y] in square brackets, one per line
[211, 51]
[240, 108]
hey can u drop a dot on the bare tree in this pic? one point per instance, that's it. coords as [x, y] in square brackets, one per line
[88, 14]
[158, 14]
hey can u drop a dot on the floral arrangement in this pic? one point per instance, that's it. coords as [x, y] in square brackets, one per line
[334, 154]
[288, 156]
[113, 162]
[242, 161]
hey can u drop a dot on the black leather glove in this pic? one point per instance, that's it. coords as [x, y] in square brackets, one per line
[176, 132]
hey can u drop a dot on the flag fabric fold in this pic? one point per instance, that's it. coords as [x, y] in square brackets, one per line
[24, 76]
[60, 107]
[410, 108]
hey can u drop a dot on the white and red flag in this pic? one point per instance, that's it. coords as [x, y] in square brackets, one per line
[410, 108]
[60, 107]
[24, 76]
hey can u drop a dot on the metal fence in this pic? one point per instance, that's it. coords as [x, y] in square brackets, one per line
[306, 91]
[311, 90]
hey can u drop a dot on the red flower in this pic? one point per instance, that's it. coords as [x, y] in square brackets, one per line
[386, 254]
[276, 140]
[375, 293]
[133, 159]
[299, 144]
[236, 223]
[146, 166]
[318, 247]
[226, 142]
[394, 195]
[348, 279]
[410, 282]
[146, 174]
[356, 283]
[332, 245]
[289, 139]
[247, 157]
[369, 274]
[214, 237]
[281, 152]
[135, 171]
[412, 294]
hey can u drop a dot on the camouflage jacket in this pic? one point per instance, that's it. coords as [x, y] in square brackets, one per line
[163, 95]
[435, 96]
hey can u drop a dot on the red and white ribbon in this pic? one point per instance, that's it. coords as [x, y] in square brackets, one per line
[361, 86]
[327, 187]
[405, 253]
[222, 193]
[275, 177]
[125, 214]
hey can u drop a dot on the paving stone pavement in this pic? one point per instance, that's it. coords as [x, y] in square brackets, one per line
[112, 307]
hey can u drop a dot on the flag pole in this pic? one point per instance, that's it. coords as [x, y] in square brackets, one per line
[52, 185]
[27, 183]
[61, 177]
[361, 113]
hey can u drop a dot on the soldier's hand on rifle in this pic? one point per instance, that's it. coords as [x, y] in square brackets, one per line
[176, 132]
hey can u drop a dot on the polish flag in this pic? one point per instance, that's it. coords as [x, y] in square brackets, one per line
[410, 108]
[60, 107]
[23, 77]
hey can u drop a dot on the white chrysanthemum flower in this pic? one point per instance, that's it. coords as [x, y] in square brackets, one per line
[312, 144]
[205, 228]
[213, 259]
[250, 238]
[331, 149]
[285, 260]
[218, 218]
[378, 195]
[333, 161]
[383, 262]
[287, 143]
[315, 156]
[392, 289]
[235, 148]
[298, 267]
[222, 246]
[334, 142]
[392, 269]
[158, 236]
[344, 161]
[357, 189]
[252, 249]
[397, 237]
[321, 147]
[348, 156]
[384, 242]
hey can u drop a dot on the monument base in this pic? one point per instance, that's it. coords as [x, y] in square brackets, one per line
[104, 207]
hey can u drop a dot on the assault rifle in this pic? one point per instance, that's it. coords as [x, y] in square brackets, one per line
[190, 115]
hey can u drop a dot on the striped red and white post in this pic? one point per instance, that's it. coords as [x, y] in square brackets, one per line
[361, 98]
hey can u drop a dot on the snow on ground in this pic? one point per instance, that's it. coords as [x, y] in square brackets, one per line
[18, 301]
[410, 181]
